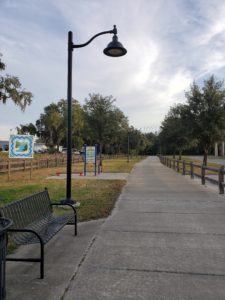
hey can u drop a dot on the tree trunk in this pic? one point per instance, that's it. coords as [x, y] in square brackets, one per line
[205, 156]
[180, 154]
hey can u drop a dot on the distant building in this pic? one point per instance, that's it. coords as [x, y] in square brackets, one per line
[40, 148]
[219, 149]
[4, 145]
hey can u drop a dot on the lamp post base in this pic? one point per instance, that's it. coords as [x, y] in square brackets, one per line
[70, 201]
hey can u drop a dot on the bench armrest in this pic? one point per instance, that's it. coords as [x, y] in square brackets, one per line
[74, 211]
[26, 230]
[59, 204]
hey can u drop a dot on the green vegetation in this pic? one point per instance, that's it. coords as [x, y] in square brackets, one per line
[198, 123]
[10, 88]
[97, 197]
[98, 121]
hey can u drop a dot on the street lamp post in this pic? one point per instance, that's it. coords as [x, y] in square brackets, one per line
[114, 49]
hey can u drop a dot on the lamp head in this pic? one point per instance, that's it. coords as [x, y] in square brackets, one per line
[115, 48]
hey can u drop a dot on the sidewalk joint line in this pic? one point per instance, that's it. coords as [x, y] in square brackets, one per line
[163, 271]
[79, 266]
[164, 232]
[173, 213]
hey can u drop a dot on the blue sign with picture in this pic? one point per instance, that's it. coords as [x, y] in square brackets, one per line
[21, 146]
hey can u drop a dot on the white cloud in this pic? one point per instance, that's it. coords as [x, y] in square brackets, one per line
[169, 43]
[5, 132]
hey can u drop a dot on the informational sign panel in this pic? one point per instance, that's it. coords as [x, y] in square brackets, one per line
[21, 146]
[90, 154]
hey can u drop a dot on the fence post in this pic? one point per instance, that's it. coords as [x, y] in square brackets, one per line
[47, 163]
[221, 180]
[178, 166]
[203, 174]
[31, 166]
[173, 163]
[8, 170]
[192, 170]
[184, 168]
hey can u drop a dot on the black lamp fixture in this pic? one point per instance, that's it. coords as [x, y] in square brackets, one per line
[114, 49]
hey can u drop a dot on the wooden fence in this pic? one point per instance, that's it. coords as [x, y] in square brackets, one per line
[14, 165]
[205, 173]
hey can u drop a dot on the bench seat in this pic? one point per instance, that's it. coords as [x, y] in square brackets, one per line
[34, 222]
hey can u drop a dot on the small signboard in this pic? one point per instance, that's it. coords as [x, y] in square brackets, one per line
[21, 146]
[90, 154]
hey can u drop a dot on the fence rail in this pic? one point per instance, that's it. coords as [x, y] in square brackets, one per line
[14, 165]
[31, 164]
[205, 173]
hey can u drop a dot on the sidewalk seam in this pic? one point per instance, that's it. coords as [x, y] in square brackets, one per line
[163, 271]
[79, 265]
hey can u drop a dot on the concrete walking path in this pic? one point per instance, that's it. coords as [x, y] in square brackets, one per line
[165, 240]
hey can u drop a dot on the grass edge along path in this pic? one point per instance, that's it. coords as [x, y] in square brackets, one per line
[97, 197]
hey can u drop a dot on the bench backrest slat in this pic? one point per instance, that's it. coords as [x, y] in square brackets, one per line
[28, 210]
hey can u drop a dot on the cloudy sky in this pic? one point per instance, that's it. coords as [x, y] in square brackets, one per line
[170, 43]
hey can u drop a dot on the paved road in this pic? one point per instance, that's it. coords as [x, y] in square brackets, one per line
[165, 240]
[220, 161]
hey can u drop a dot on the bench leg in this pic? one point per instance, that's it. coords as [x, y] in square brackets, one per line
[42, 260]
[75, 221]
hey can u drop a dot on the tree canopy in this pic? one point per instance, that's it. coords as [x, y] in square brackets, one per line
[52, 124]
[11, 88]
[175, 135]
[104, 121]
[98, 121]
[200, 121]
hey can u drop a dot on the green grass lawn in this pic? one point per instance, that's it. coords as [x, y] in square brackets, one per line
[96, 197]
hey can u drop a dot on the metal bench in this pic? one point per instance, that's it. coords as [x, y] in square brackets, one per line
[34, 222]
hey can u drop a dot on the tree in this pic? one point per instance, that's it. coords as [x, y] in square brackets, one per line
[205, 111]
[104, 121]
[152, 143]
[77, 122]
[175, 134]
[137, 141]
[52, 124]
[27, 129]
[117, 131]
[10, 88]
